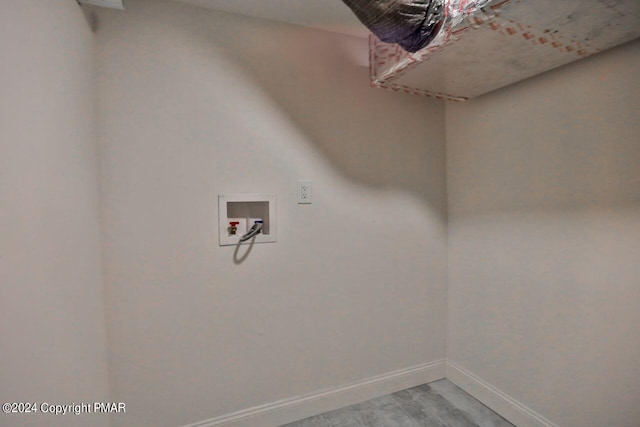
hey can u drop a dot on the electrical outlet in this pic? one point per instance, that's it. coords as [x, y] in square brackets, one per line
[304, 192]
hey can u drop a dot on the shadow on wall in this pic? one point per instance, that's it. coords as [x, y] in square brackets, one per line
[573, 149]
[320, 81]
[543, 247]
[317, 80]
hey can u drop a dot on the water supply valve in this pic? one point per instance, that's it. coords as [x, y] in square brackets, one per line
[233, 228]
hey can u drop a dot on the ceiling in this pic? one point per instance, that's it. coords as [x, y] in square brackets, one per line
[329, 15]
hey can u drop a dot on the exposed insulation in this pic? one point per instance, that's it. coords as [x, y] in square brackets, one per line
[484, 45]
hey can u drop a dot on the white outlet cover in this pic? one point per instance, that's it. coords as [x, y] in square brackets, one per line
[304, 192]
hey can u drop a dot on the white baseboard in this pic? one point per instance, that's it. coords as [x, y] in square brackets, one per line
[509, 408]
[289, 410]
[296, 408]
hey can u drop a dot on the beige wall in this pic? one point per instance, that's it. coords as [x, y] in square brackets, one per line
[544, 240]
[52, 330]
[194, 104]
[544, 227]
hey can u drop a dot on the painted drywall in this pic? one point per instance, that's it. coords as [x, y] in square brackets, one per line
[544, 240]
[196, 103]
[52, 327]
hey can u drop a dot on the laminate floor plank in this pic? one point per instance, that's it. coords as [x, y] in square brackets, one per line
[438, 404]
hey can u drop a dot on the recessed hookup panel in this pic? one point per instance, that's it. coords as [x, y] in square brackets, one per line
[240, 214]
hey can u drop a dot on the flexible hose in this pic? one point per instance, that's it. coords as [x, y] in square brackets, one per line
[255, 230]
